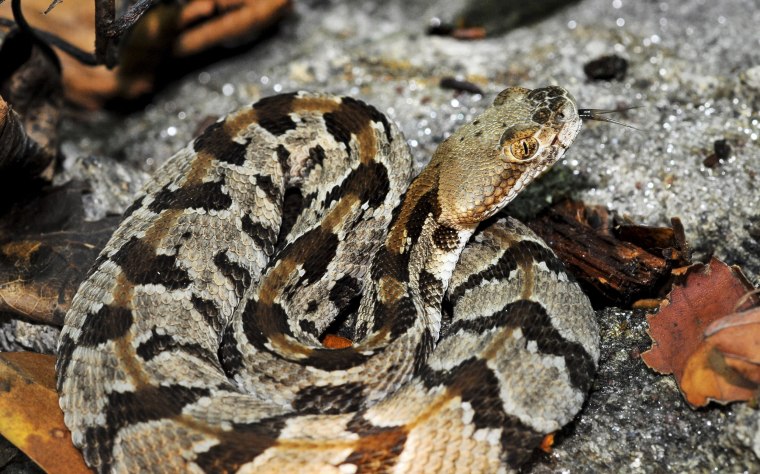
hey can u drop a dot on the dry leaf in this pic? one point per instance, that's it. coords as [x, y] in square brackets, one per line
[167, 31]
[46, 248]
[712, 352]
[726, 367]
[30, 417]
[333, 341]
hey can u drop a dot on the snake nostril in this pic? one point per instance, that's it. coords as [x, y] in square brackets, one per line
[565, 113]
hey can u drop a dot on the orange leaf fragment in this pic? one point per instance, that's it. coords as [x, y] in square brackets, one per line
[30, 417]
[726, 367]
[332, 341]
[547, 443]
[713, 353]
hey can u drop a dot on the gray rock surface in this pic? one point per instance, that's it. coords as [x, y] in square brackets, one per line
[692, 69]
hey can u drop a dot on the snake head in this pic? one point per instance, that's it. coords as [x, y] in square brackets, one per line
[487, 162]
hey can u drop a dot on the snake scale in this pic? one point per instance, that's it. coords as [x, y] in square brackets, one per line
[195, 342]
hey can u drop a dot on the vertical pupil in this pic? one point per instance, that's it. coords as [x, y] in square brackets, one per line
[525, 146]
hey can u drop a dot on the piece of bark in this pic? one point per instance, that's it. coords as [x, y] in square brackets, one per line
[613, 270]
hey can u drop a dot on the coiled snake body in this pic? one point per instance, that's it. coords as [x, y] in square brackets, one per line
[194, 343]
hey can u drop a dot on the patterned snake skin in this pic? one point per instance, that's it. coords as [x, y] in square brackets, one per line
[194, 344]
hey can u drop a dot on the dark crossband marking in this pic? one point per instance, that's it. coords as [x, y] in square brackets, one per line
[209, 311]
[229, 355]
[330, 399]
[379, 447]
[142, 266]
[355, 117]
[137, 204]
[264, 237]
[536, 325]
[144, 404]
[525, 253]
[237, 274]
[157, 344]
[273, 113]
[368, 182]
[240, 445]
[477, 385]
[207, 196]
[108, 324]
[272, 191]
[217, 142]
[432, 288]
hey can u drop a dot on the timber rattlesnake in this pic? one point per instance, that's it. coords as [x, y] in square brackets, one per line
[194, 342]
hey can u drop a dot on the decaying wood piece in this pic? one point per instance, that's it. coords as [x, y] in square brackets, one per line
[616, 264]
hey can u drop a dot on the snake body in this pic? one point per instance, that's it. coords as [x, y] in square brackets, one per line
[195, 342]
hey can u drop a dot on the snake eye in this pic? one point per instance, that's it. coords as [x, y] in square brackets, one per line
[524, 149]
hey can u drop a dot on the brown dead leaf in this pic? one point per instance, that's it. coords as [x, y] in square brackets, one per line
[726, 367]
[169, 30]
[209, 23]
[712, 352]
[30, 417]
[46, 248]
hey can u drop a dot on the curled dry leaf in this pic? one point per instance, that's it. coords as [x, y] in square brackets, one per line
[168, 30]
[207, 23]
[726, 366]
[707, 334]
[30, 417]
[46, 248]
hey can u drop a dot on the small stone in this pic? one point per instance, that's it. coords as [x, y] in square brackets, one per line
[460, 86]
[721, 151]
[606, 68]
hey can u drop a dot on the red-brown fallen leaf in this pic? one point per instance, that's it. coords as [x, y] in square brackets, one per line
[30, 417]
[712, 353]
[726, 367]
